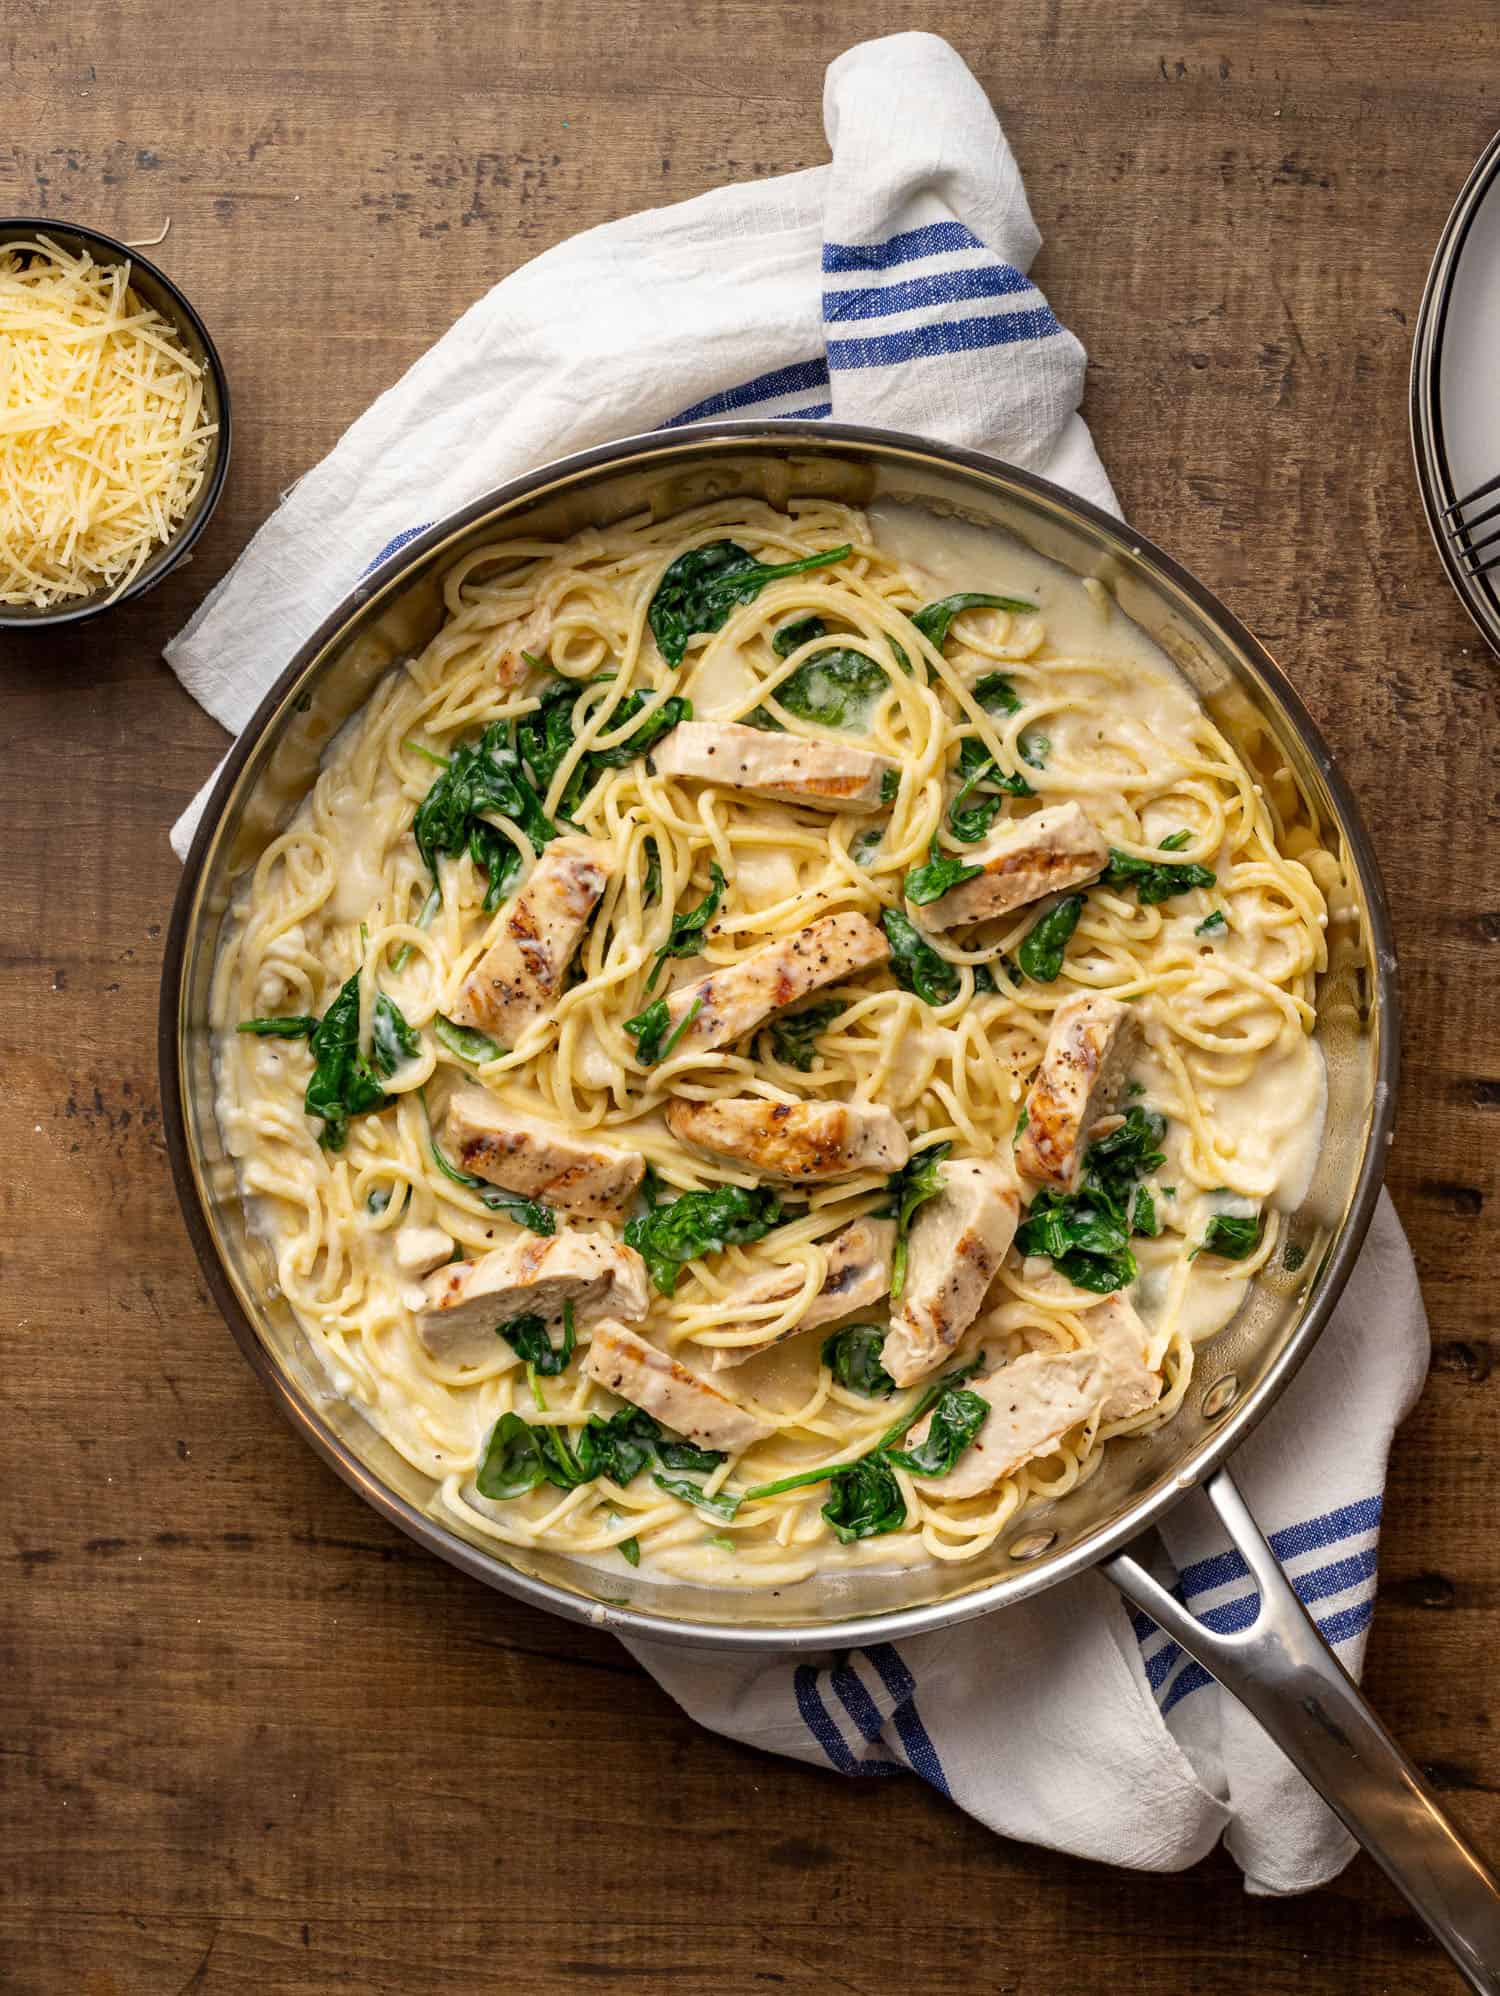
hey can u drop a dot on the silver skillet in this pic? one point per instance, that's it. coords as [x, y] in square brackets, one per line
[1280, 1668]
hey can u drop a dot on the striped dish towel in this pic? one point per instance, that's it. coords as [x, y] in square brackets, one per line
[889, 287]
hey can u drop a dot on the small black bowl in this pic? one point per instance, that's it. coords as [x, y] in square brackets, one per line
[163, 295]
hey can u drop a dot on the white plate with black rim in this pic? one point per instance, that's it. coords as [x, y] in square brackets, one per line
[1455, 395]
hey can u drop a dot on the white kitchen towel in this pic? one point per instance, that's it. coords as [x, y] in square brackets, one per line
[888, 287]
[1070, 1722]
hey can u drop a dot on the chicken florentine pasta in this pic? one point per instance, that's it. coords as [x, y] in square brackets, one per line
[772, 1040]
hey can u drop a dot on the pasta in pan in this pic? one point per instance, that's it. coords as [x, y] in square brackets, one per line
[772, 1039]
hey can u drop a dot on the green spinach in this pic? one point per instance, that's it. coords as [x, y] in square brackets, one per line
[911, 1187]
[1154, 880]
[791, 637]
[517, 1457]
[1211, 924]
[705, 585]
[618, 1448]
[865, 1501]
[916, 965]
[700, 1223]
[346, 1082]
[595, 761]
[1087, 1233]
[852, 1355]
[833, 688]
[929, 883]
[463, 1042]
[936, 620]
[530, 1340]
[794, 1034]
[685, 938]
[1232, 1235]
[956, 1420]
[1041, 955]
[482, 778]
[295, 1026]
[653, 1033]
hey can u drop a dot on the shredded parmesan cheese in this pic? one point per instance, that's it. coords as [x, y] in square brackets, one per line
[103, 441]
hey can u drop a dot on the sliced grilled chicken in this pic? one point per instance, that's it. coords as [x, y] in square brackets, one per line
[733, 1001]
[533, 1275]
[1053, 849]
[801, 1142]
[858, 1273]
[624, 1363]
[1089, 1050]
[539, 1159]
[419, 1249]
[830, 776]
[520, 975]
[1132, 1356]
[1034, 1401]
[957, 1242]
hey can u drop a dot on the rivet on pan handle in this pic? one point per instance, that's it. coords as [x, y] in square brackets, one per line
[1287, 1677]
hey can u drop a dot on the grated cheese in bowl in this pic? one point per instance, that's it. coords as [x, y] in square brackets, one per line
[104, 438]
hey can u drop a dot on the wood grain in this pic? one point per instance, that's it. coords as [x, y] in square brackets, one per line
[253, 1741]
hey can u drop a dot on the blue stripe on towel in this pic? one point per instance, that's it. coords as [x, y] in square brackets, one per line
[920, 1751]
[820, 1724]
[1309, 1536]
[391, 547]
[946, 336]
[906, 247]
[801, 375]
[939, 287]
[856, 1701]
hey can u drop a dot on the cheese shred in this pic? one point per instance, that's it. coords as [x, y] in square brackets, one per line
[104, 444]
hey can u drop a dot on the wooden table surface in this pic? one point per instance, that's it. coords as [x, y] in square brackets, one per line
[255, 1741]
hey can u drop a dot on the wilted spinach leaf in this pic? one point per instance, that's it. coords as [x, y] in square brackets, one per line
[1086, 1236]
[865, 1501]
[834, 688]
[528, 1337]
[464, 1042]
[912, 1186]
[344, 1081]
[929, 883]
[1087, 1233]
[294, 1026]
[1041, 954]
[620, 1447]
[956, 1420]
[1155, 880]
[482, 777]
[801, 632]
[852, 1355]
[1232, 1235]
[935, 621]
[915, 965]
[687, 929]
[704, 585]
[793, 1034]
[517, 1457]
[650, 1030]
[593, 762]
[700, 1223]
[722, 1506]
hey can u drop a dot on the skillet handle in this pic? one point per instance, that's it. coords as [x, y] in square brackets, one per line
[1290, 1681]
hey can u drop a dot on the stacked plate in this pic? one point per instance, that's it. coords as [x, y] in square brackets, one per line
[1455, 395]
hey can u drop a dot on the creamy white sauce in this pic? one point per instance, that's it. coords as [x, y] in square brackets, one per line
[1266, 1124]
